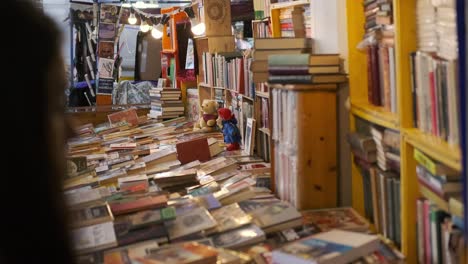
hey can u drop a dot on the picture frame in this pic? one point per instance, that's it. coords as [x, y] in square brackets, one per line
[249, 140]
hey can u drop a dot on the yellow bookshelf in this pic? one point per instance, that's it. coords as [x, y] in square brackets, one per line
[275, 13]
[411, 138]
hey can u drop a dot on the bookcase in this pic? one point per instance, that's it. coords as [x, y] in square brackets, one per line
[402, 119]
[300, 128]
[296, 24]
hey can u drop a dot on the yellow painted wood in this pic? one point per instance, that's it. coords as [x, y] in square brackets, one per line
[435, 147]
[289, 4]
[316, 170]
[409, 194]
[405, 43]
[357, 59]
[375, 114]
[275, 23]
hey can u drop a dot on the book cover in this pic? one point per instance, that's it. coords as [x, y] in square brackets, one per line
[91, 215]
[335, 246]
[189, 223]
[149, 217]
[107, 31]
[143, 203]
[230, 217]
[274, 214]
[192, 150]
[240, 237]
[193, 105]
[186, 253]
[129, 115]
[94, 238]
[345, 218]
[106, 49]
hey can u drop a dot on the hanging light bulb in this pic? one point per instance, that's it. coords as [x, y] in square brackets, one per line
[132, 18]
[140, 4]
[158, 28]
[144, 27]
[198, 28]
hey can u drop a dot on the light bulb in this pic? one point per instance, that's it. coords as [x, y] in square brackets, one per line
[156, 33]
[140, 4]
[144, 27]
[132, 19]
[198, 28]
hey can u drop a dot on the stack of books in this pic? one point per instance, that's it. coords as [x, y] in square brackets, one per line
[165, 103]
[263, 49]
[305, 69]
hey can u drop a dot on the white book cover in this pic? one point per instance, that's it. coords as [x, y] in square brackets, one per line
[95, 236]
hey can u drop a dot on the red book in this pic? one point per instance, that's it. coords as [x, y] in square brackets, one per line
[129, 115]
[149, 202]
[192, 150]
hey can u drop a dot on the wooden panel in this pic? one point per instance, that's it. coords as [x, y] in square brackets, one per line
[405, 43]
[275, 23]
[317, 167]
[409, 194]
[221, 44]
[217, 15]
[357, 59]
[103, 99]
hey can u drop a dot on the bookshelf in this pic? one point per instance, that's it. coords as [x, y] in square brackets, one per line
[402, 120]
[275, 11]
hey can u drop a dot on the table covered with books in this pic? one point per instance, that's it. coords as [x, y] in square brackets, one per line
[160, 192]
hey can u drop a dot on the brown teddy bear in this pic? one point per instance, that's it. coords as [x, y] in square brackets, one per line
[208, 116]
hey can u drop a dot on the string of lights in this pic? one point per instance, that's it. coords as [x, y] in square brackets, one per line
[156, 22]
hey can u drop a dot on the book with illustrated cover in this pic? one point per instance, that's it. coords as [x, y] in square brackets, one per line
[127, 255]
[129, 115]
[236, 178]
[252, 205]
[240, 237]
[91, 215]
[126, 236]
[94, 238]
[208, 201]
[230, 217]
[344, 218]
[184, 253]
[191, 222]
[76, 165]
[150, 217]
[335, 246]
[193, 105]
[134, 205]
[275, 214]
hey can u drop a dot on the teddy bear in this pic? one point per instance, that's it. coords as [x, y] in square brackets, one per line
[228, 124]
[208, 116]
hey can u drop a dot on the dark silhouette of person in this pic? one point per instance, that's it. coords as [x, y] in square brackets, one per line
[33, 224]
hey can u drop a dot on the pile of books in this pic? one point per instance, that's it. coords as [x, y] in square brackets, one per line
[305, 69]
[166, 103]
[163, 194]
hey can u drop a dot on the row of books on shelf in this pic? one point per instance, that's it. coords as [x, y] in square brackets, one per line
[437, 28]
[379, 40]
[155, 192]
[435, 96]
[439, 212]
[376, 153]
[295, 22]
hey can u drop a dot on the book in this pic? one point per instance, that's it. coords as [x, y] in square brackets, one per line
[91, 215]
[307, 79]
[183, 253]
[275, 214]
[128, 254]
[149, 202]
[129, 115]
[238, 238]
[282, 43]
[191, 222]
[335, 246]
[304, 59]
[94, 238]
[343, 218]
[230, 217]
[149, 217]
[191, 150]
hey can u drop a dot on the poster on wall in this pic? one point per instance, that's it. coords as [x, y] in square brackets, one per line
[105, 86]
[107, 31]
[105, 68]
[106, 49]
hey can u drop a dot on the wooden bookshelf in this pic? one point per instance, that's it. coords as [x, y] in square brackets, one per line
[402, 120]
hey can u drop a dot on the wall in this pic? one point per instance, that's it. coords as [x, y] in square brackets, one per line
[330, 36]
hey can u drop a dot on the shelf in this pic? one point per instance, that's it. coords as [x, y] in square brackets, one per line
[375, 114]
[435, 147]
[305, 87]
[262, 94]
[205, 85]
[265, 130]
[428, 194]
[289, 4]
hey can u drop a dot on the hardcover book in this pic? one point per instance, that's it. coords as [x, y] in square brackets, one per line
[230, 217]
[335, 246]
[345, 218]
[189, 223]
[240, 237]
